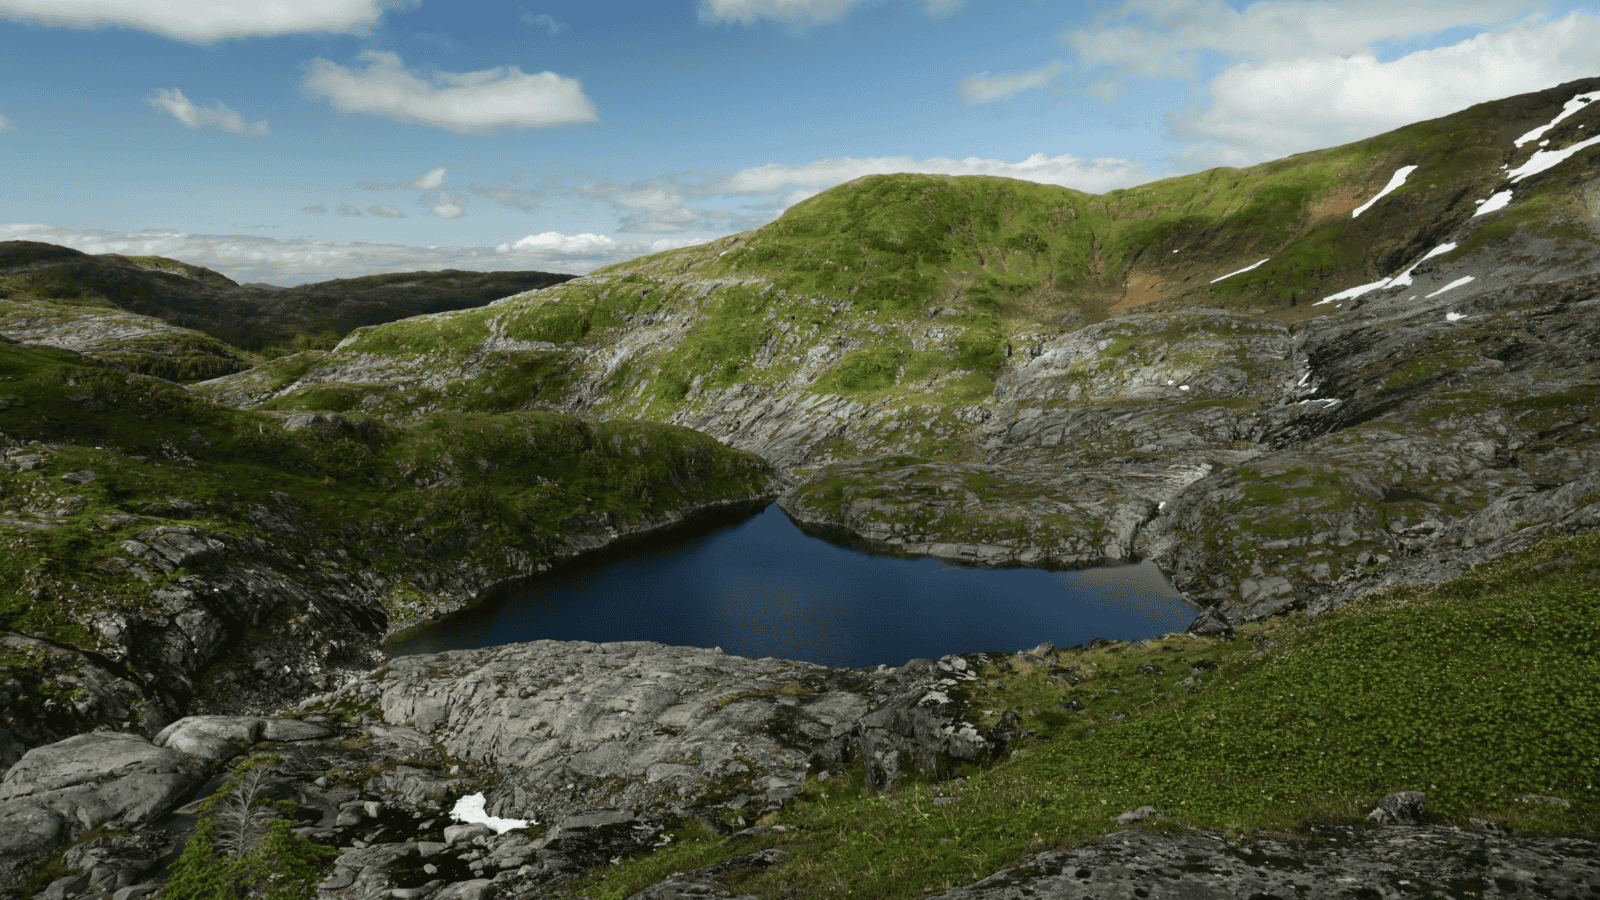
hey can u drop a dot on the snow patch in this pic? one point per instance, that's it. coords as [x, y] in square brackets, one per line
[1575, 104]
[1354, 292]
[1404, 278]
[1496, 202]
[1453, 317]
[1240, 272]
[1548, 159]
[1451, 286]
[1395, 180]
[470, 810]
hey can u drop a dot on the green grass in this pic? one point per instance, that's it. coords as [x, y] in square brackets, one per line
[1476, 692]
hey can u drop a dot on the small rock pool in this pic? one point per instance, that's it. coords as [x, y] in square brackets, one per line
[756, 586]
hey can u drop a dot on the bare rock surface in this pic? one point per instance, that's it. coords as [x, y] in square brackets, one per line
[1328, 862]
[661, 729]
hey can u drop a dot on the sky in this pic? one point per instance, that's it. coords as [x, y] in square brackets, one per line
[291, 141]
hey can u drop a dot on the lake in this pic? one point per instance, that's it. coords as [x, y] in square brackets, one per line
[756, 586]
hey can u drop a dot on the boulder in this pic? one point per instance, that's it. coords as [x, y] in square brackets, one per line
[66, 788]
[1399, 808]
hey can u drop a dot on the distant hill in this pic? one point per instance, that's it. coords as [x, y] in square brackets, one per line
[252, 317]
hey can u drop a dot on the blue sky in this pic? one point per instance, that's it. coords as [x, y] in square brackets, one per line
[303, 140]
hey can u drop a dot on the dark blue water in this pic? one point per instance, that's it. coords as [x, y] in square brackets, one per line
[760, 587]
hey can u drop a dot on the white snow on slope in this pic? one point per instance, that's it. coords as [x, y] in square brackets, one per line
[1497, 202]
[1547, 159]
[1395, 181]
[1451, 286]
[1453, 317]
[1401, 280]
[1354, 292]
[470, 809]
[1240, 272]
[1572, 106]
[1404, 278]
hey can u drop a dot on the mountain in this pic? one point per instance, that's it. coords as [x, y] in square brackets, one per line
[1345, 400]
[185, 322]
[1004, 372]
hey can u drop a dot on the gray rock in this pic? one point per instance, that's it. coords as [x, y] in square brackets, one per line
[86, 781]
[476, 889]
[1343, 862]
[463, 833]
[1399, 808]
[1137, 815]
[558, 719]
[82, 476]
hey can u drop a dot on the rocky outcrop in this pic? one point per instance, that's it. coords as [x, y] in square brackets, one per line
[1328, 862]
[571, 726]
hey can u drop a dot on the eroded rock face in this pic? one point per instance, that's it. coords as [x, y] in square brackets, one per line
[650, 727]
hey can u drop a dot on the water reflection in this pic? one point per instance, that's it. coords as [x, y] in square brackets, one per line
[760, 587]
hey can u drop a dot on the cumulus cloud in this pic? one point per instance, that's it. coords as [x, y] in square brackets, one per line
[294, 261]
[315, 210]
[1167, 38]
[1259, 107]
[986, 88]
[348, 210]
[465, 103]
[446, 205]
[428, 181]
[541, 20]
[801, 14]
[5, 125]
[204, 21]
[387, 212]
[220, 115]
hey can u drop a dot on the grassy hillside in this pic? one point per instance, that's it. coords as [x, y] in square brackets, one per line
[917, 291]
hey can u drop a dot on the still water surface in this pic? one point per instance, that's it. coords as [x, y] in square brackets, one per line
[757, 586]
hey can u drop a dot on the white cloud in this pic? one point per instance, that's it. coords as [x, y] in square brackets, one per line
[464, 103]
[250, 258]
[1166, 38]
[1260, 106]
[446, 205]
[348, 210]
[315, 210]
[428, 181]
[542, 20]
[556, 242]
[204, 21]
[220, 115]
[388, 212]
[802, 14]
[6, 126]
[984, 88]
